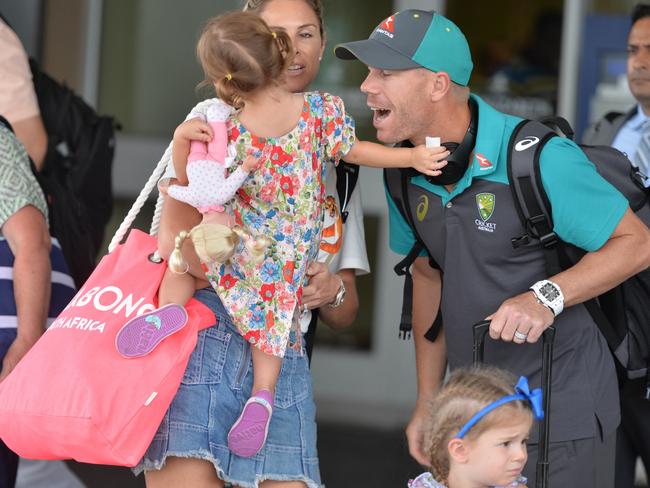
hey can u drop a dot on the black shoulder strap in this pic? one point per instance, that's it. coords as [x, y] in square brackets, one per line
[347, 175]
[532, 204]
[398, 192]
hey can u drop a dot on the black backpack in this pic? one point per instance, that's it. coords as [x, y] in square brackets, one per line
[347, 175]
[623, 313]
[77, 171]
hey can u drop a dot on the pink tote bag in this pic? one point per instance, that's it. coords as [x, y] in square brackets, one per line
[73, 396]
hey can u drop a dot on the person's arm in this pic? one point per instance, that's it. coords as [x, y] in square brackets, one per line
[625, 253]
[426, 160]
[31, 132]
[29, 240]
[589, 213]
[430, 357]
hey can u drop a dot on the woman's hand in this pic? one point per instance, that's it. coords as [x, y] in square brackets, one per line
[193, 130]
[429, 160]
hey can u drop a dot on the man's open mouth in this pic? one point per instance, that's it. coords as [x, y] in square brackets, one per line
[380, 114]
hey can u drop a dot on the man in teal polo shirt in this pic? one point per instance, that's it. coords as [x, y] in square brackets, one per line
[419, 67]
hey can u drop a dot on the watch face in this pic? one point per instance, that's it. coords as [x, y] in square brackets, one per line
[550, 292]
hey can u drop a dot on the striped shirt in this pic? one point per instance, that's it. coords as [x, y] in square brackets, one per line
[63, 288]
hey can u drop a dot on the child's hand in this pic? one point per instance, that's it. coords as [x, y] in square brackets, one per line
[429, 160]
[193, 130]
[251, 163]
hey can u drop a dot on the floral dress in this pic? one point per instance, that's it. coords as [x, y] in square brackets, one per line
[426, 480]
[282, 199]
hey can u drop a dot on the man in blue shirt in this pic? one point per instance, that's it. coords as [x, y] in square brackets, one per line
[625, 132]
[419, 68]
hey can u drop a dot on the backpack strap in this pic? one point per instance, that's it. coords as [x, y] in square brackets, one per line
[534, 209]
[347, 175]
[398, 191]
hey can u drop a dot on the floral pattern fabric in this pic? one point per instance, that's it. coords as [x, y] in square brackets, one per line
[282, 199]
[426, 480]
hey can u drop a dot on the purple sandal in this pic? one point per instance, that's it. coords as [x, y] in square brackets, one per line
[248, 435]
[140, 335]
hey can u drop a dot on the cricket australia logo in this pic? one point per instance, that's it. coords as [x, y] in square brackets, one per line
[485, 204]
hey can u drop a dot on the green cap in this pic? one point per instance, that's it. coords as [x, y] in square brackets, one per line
[413, 39]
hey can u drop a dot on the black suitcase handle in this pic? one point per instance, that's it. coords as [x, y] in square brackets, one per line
[480, 331]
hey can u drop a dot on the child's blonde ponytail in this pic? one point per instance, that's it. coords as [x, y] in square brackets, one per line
[177, 263]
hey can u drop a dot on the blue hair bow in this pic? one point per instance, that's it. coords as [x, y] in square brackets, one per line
[522, 392]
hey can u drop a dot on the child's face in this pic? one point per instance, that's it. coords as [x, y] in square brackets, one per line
[498, 456]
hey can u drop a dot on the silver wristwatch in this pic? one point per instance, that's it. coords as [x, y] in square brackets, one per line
[340, 296]
[550, 295]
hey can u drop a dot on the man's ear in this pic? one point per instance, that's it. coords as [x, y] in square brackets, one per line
[439, 84]
[458, 451]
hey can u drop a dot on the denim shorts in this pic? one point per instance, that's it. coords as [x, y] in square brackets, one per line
[217, 383]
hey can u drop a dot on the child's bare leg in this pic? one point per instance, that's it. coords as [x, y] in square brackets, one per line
[176, 288]
[266, 369]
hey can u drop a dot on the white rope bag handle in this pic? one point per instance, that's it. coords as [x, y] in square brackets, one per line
[141, 200]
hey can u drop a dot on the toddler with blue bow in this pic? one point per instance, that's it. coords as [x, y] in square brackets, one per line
[479, 426]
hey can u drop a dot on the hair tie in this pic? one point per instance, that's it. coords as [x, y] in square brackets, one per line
[274, 34]
[228, 76]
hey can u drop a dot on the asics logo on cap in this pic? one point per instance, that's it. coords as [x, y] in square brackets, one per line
[387, 27]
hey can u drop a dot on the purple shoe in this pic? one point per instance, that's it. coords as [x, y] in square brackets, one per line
[248, 435]
[140, 335]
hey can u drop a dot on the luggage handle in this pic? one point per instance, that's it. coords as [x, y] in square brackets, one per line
[480, 331]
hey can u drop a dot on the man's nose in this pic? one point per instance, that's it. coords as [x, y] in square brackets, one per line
[641, 60]
[368, 86]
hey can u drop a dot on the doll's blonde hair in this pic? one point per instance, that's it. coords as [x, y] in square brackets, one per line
[216, 243]
[466, 392]
[239, 54]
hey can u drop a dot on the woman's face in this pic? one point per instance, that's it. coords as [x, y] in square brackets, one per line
[301, 23]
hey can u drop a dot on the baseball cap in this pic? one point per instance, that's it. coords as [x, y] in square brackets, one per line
[413, 39]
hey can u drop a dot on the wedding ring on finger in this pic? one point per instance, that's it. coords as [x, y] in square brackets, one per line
[520, 336]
